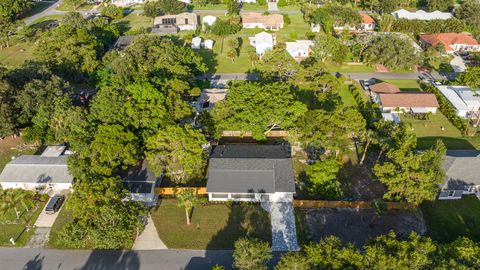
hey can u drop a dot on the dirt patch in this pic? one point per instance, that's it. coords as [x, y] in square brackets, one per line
[358, 183]
[10, 143]
[358, 225]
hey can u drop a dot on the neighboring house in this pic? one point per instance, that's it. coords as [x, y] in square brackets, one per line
[173, 23]
[209, 97]
[247, 1]
[465, 101]
[196, 42]
[141, 183]
[368, 24]
[122, 42]
[463, 174]
[299, 49]
[262, 42]
[250, 172]
[48, 171]
[208, 20]
[421, 15]
[271, 22]
[382, 88]
[126, 3]
[452, 42]
[409, 102]
[208, 44]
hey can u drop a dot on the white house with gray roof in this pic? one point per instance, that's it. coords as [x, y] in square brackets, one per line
[48, 171]
[251, 172]
[463, 174]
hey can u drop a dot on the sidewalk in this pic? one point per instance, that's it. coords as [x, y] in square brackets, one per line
[148, 239]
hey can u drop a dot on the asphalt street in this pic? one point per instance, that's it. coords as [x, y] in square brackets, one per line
[46, 259]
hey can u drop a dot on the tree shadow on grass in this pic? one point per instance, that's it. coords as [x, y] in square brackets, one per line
[245, 220]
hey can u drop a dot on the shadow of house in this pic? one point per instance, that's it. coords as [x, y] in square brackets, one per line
[110, 259]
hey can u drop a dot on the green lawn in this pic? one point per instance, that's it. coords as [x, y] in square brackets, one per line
[21, 230]
[333, 67]
[428, 131]
[69, 6]
[55, 240]
[135, 21]
[210, 7]
[16, 55]
[218, 62]
[406, 85]
[214, 226]
[449, 219]
[295, 30]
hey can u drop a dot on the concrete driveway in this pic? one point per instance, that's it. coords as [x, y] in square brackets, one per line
[458, 64]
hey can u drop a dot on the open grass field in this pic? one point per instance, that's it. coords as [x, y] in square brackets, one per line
[21, 230]
[449, 219]
[334, 67]
[135, 21]
[214, 226]
[429, 131]
[16, 55]
[406, 85]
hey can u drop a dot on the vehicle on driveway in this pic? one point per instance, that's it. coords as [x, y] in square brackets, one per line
[54, 204]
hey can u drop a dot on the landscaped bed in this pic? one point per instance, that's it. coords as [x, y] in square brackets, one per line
[446, 220]
[214, 226]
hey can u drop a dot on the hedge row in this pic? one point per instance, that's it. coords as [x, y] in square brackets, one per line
[446, 108]
[363, 103]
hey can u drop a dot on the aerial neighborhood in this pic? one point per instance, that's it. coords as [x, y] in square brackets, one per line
[228, 134]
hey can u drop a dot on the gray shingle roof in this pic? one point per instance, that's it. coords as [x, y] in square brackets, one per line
[250, 169]
[462, 168]
[37, 169]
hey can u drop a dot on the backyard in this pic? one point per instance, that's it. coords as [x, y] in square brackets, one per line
[438, 127]
[406, 85]
[214, 226]
[449, 219]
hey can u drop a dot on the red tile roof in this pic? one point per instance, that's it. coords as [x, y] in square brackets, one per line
[408, 100]
[383, 87]
[367, 19]
[448, 39]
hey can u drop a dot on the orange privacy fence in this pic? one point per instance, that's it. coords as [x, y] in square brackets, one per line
[347, 204]
[174, 190]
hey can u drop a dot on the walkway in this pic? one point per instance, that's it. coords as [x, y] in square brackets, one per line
[148, 239]
[284, 233]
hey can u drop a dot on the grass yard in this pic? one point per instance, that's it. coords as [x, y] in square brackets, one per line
[135, 21]
[406, 85]
[449, 219]
[214, 226]
[218, 62]
[334, 67]
[210, 7]
[428, 131]
[16, 55]
[55, 241]
[8, 149]
[69, 6]
[21, 230]
[295, 30]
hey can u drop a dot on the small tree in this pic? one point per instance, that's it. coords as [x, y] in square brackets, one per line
[13, 199]
[232, 7]
[293, 261]
[251, 254]
[322, 177]
[187, 199]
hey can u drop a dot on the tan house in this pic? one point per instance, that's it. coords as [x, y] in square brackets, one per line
[271, 22]
[175, 22]
[409, 102]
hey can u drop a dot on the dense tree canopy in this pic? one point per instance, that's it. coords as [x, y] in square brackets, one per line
[469, 12]
[11, 9]
[257, 107]
[391, 50]
[162, 7]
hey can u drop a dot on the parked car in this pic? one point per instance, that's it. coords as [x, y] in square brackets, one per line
[54, 204]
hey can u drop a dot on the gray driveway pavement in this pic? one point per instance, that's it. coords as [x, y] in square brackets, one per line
[47, 12]
[36, 259]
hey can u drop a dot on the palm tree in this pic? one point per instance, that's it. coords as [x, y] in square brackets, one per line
[13, 199]
[188, 199]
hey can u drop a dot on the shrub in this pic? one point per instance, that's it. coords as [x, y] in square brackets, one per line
[112, 11]
[286, 19]
[282, 3]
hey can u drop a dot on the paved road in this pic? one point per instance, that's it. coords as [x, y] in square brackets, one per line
[223, 77]
[37, 259]
[223, 11]
[47, 12]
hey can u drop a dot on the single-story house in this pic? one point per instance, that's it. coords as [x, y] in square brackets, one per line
[208, 44]
[382, 88]
[262, 42]
[250, 172]
[462, 169]
[394, 117]
[122, 42]
[465, 101]
[210, 96]
[48, 171]
[271, 22]
[126, 3]
[367, 24]
[141, 182]
[421, 15]
[452, 42]
[182, 21]
[299, 49]
[208, 20]
[413, 102]
[196, 42]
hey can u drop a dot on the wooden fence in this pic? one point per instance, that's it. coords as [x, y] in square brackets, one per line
[348, 204]
[173, 190]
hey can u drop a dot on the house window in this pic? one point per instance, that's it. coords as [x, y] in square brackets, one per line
[219, 196]
[451, 193]
[243, 196]
[169, 21]
[186, 21]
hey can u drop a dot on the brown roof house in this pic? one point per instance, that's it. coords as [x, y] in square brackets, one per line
[452, 42]
[271, 22]
[173, 23]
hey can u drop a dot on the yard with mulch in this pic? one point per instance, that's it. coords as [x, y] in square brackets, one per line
[355, 225]
[214, 226]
